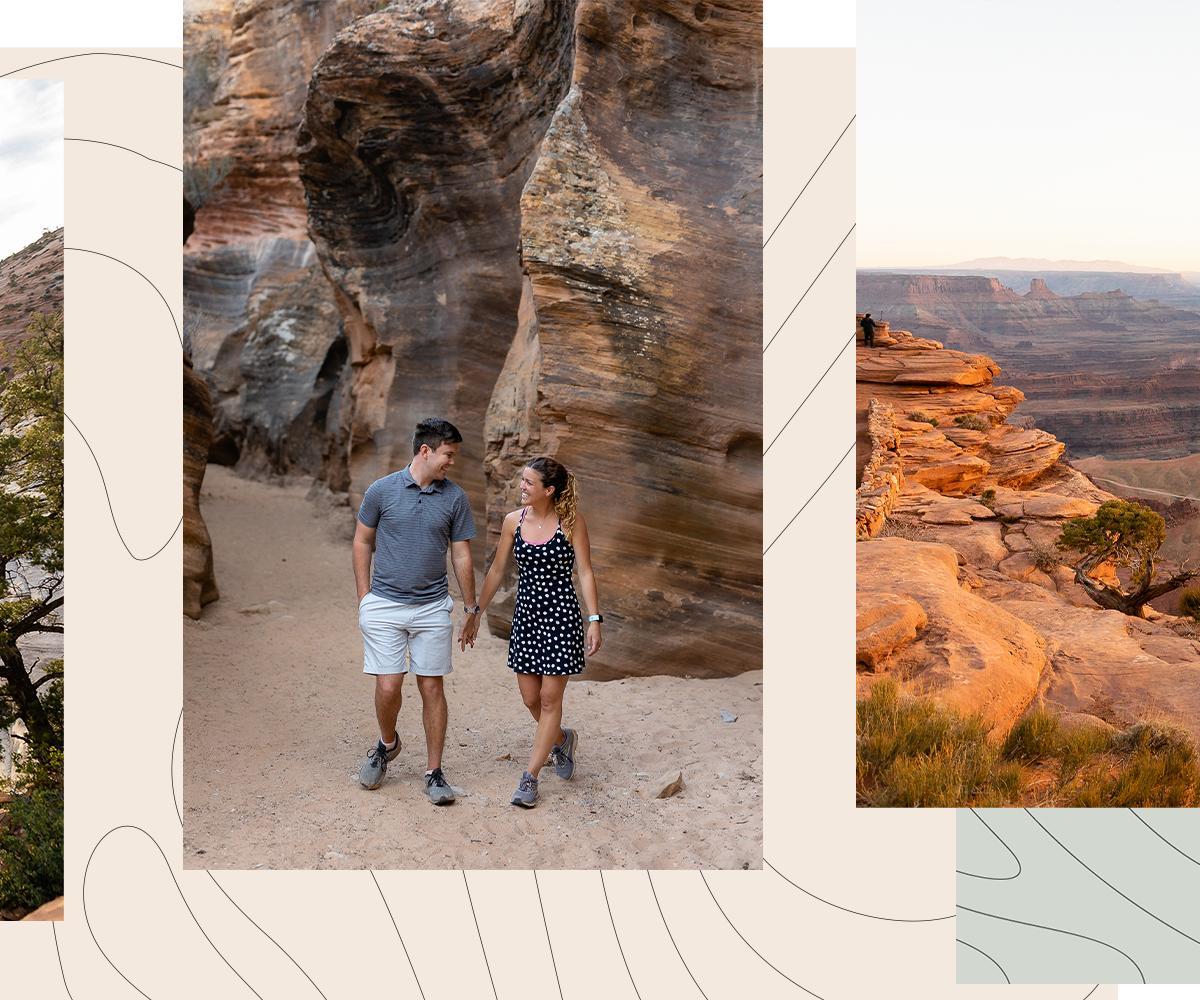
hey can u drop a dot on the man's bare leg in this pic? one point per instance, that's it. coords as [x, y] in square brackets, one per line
[388, 698]
[434, 714]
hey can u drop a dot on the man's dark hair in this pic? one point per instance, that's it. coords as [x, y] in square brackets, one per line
[435, 432]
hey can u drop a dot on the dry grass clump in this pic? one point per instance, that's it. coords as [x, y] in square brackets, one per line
[921, 417]
[912, 752]
[1189, 602]
[912, 531]
[974, 422]
[1045, 557]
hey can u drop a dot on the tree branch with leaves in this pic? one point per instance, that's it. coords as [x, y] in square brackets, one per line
[1122, 534]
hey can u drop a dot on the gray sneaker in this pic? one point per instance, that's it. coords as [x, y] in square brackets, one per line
[526, 793]
[440, 792]
[372, 772]
[563, 754]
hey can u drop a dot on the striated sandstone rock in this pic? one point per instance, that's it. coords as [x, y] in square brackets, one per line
[273, 46]
[199, 582]
[880, 478]
[639, 362]
[421, 126]
[884, 623]
[936, 367]
[974, 655]
[1019, 457]
[271, 348]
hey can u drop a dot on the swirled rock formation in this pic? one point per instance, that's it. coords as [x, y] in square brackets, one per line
[638, 362]
[420, 129]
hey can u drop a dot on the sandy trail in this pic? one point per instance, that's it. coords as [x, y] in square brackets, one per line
[278, 717]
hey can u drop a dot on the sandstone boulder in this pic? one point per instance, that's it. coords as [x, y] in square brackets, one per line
[1096, 656]
[884, 623]
[973, 655]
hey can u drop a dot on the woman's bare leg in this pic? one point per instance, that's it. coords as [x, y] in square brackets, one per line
[549, 716]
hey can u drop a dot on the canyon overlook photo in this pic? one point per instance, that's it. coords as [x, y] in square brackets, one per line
[542, 222]
[1028, 608]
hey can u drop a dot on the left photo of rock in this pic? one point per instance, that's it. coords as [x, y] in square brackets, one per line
[31, 499]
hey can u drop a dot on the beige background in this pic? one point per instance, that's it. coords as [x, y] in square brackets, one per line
[175, 933]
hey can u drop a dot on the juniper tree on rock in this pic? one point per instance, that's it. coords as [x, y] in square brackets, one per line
[1123, 534]
[31, 526]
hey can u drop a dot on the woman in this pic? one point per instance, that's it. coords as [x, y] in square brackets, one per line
[546, 536]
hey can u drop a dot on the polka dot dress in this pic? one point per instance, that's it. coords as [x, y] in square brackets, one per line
[547, 627]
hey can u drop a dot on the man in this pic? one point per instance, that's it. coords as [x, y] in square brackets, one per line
[868, 329]
[407, 520]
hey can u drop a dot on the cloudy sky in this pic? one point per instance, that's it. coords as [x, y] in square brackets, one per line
[1005, 128]
[31, 160]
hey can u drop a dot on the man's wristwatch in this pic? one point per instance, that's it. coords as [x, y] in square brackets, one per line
[471, 611]
[595, 618]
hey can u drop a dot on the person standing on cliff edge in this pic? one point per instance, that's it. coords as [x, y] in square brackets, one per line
[405, 611]
[868, 329]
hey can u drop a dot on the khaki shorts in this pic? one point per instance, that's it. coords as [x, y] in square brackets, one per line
[397, 637]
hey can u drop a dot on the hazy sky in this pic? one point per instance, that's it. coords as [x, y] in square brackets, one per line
[1063, 130]
[31, 160]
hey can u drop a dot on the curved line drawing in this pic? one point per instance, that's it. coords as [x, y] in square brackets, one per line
[482, 947]
[989, 958]
[618, 937]
[88, 920]
[809, 500]
[110, 506]
[1163, 839]
[1110, 885]
[143, 277]
[264, 933]
[101, 142]
[992, 878]
[872, 916]
[750, 946]
[398, 934]
[663, 917]
[545, 924]
[810, 180]
[80, 55]
[60, 962]
[174, 744]
[1091, 991]
[1057, 930]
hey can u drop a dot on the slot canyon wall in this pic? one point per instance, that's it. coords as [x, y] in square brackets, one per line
[542, 220]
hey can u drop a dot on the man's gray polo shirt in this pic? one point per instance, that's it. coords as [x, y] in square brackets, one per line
[414, 527]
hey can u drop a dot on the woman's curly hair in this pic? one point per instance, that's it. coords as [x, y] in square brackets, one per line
[566, 494]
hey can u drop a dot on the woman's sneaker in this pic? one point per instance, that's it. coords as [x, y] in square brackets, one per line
[563, 754]
[526, 793]
[372, 772]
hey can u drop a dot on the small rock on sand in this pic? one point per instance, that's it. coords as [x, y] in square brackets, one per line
[666, 786]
